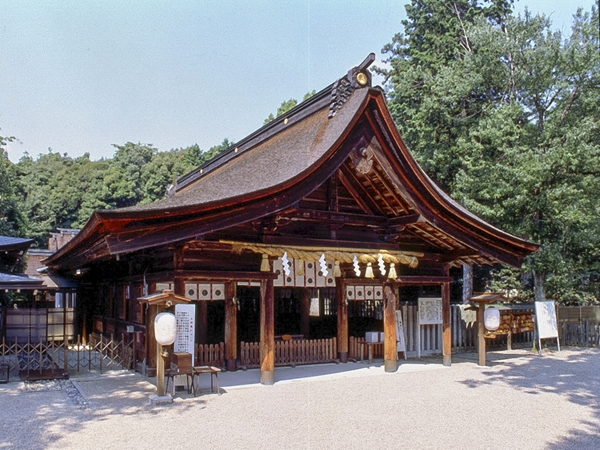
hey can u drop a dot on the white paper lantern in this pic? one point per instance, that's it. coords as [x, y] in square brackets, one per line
[491, 318]
[164, 328]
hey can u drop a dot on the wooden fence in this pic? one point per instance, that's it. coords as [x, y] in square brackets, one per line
[53, 358]
[292, 352]
[579, 325]
[210, 355]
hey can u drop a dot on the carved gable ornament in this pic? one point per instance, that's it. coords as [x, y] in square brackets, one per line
[362, 160]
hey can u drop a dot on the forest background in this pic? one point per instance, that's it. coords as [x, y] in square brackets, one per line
[501, 111]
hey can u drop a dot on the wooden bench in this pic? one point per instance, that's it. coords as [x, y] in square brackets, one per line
[199, 370]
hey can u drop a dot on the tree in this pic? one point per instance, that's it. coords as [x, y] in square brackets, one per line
[508, 125]
[429, 95]
[123, 178]
[12, 221]
[286, 106]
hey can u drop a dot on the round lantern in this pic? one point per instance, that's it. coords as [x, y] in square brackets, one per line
[164, 328]
[491, 318]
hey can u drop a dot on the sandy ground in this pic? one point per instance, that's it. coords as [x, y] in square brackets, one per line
[521, 400]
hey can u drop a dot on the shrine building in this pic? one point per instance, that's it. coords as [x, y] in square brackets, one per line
[285, 234]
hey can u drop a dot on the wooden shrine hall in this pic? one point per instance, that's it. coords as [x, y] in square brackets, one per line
[325, 202]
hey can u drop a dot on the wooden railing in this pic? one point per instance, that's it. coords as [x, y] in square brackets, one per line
[52, 357]
[249, 354]
[292, 352]
[210, 355]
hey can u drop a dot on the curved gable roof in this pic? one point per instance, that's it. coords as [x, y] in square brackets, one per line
[276, 167]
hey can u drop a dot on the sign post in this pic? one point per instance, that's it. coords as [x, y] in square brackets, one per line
[545, 322]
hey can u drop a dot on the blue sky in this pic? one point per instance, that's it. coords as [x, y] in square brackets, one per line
[78, 76]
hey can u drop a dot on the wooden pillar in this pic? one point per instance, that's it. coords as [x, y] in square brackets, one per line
[160, 370]
[446, 326]
[267, 333]
[342, 320]
[481, 334]
[305, 314]
[231, 326]
[151, 344]
[390, 354]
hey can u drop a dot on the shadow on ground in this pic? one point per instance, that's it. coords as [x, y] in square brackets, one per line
[573, 375]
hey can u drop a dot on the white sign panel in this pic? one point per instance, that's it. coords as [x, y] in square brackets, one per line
[545, 318]
[400, 338]
[186, 329]
[430, 311]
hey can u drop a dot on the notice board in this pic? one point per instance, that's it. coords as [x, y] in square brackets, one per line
[185, 316]
[400, 334]
[545, 319]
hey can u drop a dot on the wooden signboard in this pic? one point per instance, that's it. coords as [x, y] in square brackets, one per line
[430, 313]
[400, 334]
[546, 324]
[185, 329]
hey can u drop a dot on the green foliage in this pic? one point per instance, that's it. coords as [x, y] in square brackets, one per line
[503, 113]
[286, 106]
[57, 191]
[12, 221]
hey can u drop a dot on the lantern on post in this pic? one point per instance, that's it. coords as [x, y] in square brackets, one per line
[162, 325]
[491, 318]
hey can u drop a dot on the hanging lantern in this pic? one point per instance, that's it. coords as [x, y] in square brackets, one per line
[164, 328]
[369, 271]
[491, 318]
[392, 274]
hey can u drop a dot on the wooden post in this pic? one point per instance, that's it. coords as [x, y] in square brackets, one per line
[446, 326]
[390, 353]
[305, 314]
[481, 334]
[230, 326]
[160, 371]
[65, 339]
[151, 345]
[267, 333]
[342, 320]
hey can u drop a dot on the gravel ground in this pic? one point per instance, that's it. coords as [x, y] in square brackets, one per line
[520, 401]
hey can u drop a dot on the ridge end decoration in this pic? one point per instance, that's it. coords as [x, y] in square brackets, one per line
[358, 77]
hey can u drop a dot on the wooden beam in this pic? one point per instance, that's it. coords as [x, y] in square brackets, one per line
[402, 221]
[459, 253]
[358, 198]
[329, 217]
[425, 280]
[358, 191]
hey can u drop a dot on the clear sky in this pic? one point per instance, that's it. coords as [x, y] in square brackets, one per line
[79, 76]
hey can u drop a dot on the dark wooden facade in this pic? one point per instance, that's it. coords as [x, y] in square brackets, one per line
[329, 180]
